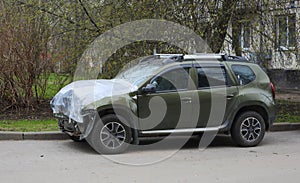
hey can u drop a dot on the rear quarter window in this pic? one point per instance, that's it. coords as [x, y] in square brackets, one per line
[243, 73]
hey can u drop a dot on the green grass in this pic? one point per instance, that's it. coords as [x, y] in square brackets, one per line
[289, 111]
[287, 118]
[28, 125]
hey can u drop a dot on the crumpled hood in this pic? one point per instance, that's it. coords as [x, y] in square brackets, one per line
[74, 97]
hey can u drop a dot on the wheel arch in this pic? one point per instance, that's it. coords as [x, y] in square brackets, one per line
[256, 108]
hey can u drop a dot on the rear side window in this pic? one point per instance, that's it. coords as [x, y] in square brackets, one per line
[243, 73]
[212, 77]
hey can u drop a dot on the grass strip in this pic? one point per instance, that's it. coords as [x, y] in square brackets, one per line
[29, 125]
[288, 111]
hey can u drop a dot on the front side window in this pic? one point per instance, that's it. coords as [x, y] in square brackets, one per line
[244, 74]
[173, 80]
[211, 77]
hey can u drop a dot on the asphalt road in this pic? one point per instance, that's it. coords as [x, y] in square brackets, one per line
[276, 160]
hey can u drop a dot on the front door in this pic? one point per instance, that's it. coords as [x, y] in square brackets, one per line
[170, 106]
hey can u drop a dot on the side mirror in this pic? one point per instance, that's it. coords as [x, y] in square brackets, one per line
[150, 88]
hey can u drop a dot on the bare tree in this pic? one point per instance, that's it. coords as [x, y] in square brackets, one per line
[24, 57]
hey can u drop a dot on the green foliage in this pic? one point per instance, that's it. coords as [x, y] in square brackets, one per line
[54, 83]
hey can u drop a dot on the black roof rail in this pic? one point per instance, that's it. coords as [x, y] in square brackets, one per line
[234, 58]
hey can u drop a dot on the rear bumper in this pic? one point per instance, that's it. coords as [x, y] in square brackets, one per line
[272, 118]
[273, 111]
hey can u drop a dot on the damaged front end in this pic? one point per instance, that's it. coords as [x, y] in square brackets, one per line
[75, 106]
[77, 131]
[72, 119]
[68, 126]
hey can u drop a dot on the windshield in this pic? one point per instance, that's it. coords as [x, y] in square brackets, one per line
[139, 73]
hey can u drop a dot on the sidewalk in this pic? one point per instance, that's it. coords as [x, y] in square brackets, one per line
[62, 136]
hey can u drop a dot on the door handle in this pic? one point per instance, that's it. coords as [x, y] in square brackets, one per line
[187, 100]
[230, 96]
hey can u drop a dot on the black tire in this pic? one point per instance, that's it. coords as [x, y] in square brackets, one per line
[248, 129]
[109, 135]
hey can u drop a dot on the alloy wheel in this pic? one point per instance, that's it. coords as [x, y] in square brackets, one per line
[250, 129]
[113, 135]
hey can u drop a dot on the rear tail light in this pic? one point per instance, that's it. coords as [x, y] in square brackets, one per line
[273, 89]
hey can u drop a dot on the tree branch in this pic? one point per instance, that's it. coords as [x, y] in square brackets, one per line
[88, 15]
[54, 14]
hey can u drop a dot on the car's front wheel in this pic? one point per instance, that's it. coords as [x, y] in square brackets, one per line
[248, 129]
[109, 135]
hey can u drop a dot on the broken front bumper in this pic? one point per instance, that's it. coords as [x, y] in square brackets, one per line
[73, 128]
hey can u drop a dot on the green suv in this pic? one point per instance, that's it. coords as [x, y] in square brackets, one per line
[168, 94]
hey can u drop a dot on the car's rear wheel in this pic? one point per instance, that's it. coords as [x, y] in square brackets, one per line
[248, 129]
[110, 135]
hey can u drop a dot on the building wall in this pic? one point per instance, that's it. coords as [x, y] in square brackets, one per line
[264, 43]
[282, 63]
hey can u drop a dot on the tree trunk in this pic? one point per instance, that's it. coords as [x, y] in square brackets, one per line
[220, 25]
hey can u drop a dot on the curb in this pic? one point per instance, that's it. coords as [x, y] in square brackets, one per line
[33, 135]
[285, 127]
[62, 136]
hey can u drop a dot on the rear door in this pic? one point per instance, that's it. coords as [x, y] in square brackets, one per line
[216, 95]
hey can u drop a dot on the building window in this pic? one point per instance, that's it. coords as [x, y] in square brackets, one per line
[245, 35]
[292, 4]
[285, 32]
